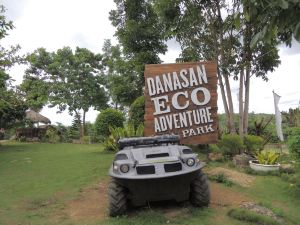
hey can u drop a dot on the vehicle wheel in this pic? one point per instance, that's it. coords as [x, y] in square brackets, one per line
[117, 199]
[200, 194]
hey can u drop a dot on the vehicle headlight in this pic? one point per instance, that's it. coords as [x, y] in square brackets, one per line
[190, 162]
[115, 167]
[124, 168]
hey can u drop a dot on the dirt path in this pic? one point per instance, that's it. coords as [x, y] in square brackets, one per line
[224, 197]
[92, 203]
[236, 177]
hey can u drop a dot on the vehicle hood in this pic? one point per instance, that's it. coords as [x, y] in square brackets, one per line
[156, 154]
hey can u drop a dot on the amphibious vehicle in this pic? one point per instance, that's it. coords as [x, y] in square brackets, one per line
[155, 168]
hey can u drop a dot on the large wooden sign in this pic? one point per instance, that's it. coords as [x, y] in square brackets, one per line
[181, 99]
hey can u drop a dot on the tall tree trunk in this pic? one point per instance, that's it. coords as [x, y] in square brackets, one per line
[241, 104]
[231, 127]
[230, 104]
[78, 116]
[222, 88]
[246, 107]
[219, 74]
[83, 125]
[248, 54]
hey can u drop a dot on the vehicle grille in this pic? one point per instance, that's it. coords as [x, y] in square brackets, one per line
[145, 170]
[173, 167]
[157, 155]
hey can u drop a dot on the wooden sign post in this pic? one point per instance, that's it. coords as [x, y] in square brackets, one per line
[181, 99]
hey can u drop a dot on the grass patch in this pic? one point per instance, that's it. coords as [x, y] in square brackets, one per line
[36, 179]
[272, 190]
[221, 178]
[275, 210]
[143, 218]
[252, 217]
[250, 171]
[187, 216]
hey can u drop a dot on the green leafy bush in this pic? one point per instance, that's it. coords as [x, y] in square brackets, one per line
[22, 139]
[86, 139]
[90, 131]
[231, 145]
[63, 132]
[73, 132]
[253, 143]
[137, 111]
[221, 178]
[267, 157]
[106, 118]
[214, 148]
[294, 142]
[52, 135]
[111, 142]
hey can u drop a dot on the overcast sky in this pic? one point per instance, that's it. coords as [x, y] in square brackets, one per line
[53, 24]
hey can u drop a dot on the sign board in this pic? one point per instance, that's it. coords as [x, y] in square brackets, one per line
[181, 99]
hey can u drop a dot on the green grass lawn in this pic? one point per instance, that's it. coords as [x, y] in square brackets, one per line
[38, 180]
[34, 175]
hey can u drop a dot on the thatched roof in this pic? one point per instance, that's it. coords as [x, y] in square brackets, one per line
[36, 117]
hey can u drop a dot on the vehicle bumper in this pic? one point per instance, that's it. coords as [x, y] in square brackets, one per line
[159, 172]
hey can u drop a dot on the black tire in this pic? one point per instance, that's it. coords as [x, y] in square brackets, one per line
[200, 194]
[117, 199]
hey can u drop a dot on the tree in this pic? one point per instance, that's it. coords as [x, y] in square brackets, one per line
[255, 60]
[73, 131]
[121, 75]
[137, 111]
[292, 117]
[12, 107]
[73, 80]
[204, 33]
[280, 19]
[35, 92]
[140, 35]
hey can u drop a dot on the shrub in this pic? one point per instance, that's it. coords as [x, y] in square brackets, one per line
[231, 145]
[86, 139]
[137, 111]
[221, 178]
[73, 132]
[294, 142]
[253, 143]
[108, 117]
[111, 142]
[22, 139]
[52, 135]
[268, 157]
[63, 132]
[214, 148]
